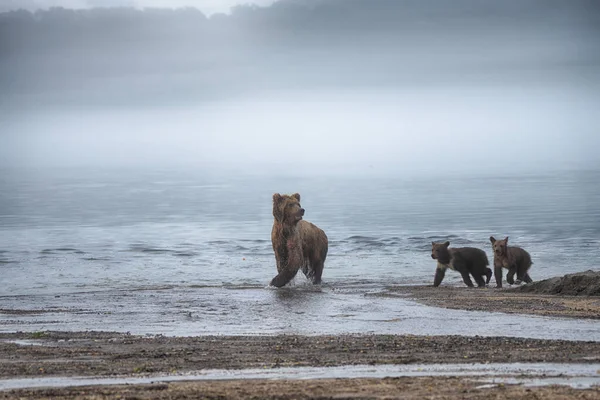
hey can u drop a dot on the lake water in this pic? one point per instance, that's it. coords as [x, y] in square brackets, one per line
[183, 252]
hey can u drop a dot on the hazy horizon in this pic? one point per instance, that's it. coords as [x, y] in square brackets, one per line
[206, 6]
[308, 86]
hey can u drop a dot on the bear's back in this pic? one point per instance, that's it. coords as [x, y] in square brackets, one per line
[519, 256]
[314, 239]
[469, 256]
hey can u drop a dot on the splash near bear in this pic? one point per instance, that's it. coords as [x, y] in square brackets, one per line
[297, 243]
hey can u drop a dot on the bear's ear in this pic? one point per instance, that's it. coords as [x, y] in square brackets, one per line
[277, 198]
[506, 239]
[433, 243]
[492, 239]
[296, 196]
[446, 244]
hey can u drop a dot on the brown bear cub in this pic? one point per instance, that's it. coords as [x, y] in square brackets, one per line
[465, 260]
[298, 244]
[515, 259]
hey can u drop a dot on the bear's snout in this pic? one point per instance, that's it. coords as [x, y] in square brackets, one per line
[302, 211]
[433, 256]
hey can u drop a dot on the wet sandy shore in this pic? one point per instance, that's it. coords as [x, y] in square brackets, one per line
[110, 354]
[107, 354]
[507, 300]
[387, 388]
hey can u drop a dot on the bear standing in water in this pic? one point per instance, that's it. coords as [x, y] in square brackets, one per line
[466, 260]
[297, 244]
[513, 258]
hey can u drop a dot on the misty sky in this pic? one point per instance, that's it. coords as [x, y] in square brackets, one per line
[206, 6]
[355, 86]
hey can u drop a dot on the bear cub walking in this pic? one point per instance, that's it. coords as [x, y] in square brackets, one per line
[297, 244]
[513, 258]
[465, 260]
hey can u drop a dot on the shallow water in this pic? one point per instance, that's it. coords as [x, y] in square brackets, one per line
[539, 374]
[189, 253]
[302, 309]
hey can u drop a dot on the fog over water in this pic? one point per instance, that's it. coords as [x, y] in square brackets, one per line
[357, 86]
[207, 6]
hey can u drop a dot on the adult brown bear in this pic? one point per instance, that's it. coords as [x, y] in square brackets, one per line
[297, 244]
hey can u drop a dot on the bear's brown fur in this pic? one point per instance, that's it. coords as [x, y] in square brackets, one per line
[513, 258]
[297, 244]
[465, 260]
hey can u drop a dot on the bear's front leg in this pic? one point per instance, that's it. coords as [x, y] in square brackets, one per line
[439, 276]
[466, 278]
[284, 277]
[498, 275]
[290, 268]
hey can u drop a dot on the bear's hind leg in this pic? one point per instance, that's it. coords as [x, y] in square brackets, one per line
[522, 274]
[526, 278]
[488, 274]
[479, 280]
[510, 277]
[317, 271]
[307, 271]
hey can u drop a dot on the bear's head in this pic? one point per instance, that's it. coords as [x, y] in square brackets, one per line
[500, 247]
[287, 209]
[440, 252]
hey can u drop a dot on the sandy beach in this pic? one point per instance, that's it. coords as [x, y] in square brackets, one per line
[111, 354]
[108, 354]
[119, 355]
[387, 388]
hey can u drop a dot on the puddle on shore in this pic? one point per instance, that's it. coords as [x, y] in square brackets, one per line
[580, 382]
[535, 374]
[24, 342]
